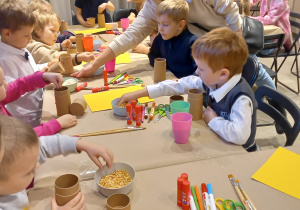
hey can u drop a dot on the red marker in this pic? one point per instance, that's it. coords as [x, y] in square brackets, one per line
[133, 113]
[81, 87]
[205, 196]
[138, 111]
[99, 89]
[105, 77]
[128, 112]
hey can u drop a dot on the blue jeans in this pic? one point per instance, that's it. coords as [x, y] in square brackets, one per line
[263, 77]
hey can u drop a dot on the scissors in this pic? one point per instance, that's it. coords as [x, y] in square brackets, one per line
[136, 80]
[228, 204]
[161, 112]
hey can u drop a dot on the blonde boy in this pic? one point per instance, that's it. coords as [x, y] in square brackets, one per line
[231, 112]
[174, 40]
[44, 35]
[41, 5]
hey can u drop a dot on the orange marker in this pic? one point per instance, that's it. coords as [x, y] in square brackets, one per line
[81, 87]
[152, 111]
[198, 197]
[98, 89]
[105, 77]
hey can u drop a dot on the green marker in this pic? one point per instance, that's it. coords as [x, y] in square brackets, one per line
[195, 197]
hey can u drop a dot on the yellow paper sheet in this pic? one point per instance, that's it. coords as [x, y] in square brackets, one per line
[123, 58]
[90, 31]
[282, 172]
[102, 100]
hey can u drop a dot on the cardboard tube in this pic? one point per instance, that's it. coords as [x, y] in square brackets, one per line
[63, 26]
[63, 200]
[66, 61]
[56, 67]
[92, 21]
[195, 98]
[72, 50]
[119, 24]
[78, 107]
[62, 100]
[176, 98]
[101, 20]
[66, 184]
[79, 43]
[118, 202]
[160, 68]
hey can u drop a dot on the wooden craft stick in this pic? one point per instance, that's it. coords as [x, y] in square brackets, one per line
[120, 130]
[102, 39]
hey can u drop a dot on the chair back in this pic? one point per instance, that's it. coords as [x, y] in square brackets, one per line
[273, 41]
[250, 71]
[291, 131]
[122, 13]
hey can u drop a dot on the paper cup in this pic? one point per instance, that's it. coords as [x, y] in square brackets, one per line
[176, 98]
[110, 65]
[62, 100]
[101, 20]
[66, 61]
[195, 98]
[56, 67]
[78, 107]
[181, 124]
[92, 21]
[63, 26]
[111, 26]
[180, 106]
[79, 43]
[160, 68]
[88, 44]
[72, 50]
[97, 44]
[124, 23]
[119, 24]
[118, 202]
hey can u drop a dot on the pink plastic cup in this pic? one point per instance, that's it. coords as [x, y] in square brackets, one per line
[124, 23]
[110, 65]
[88, 44]
[181, 124]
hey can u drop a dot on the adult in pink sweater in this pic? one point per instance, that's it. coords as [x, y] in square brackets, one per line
[14, 90]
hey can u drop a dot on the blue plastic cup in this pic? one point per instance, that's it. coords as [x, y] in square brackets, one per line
[180, 106]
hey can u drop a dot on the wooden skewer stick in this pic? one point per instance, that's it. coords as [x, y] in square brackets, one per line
[124, 86]
[120, 130]
[102, 39]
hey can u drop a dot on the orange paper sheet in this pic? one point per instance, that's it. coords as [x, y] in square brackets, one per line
[282, 172]
[102, 100]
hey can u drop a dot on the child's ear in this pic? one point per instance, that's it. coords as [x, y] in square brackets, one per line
[182, 24]
[224, 74]
[6, 33]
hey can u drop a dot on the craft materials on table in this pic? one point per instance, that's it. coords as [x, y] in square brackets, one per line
[228, 204]
[151, 112]
[118, 130]
[123, 58]
[91, 31]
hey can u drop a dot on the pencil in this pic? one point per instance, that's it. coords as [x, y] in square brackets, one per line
[198, 197]
[238, 191]
[245, 195]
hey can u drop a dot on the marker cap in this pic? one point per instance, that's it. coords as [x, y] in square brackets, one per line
[209, 189]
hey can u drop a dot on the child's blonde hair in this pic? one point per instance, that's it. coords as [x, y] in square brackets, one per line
[40, 4]
[18, 138]
[222, 48]
[176, 9]
[14, 14]
[43, 18]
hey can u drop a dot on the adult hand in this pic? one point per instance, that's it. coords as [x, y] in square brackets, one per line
[87, 24]
[54, 78]
[87, 71]
[77, 203]
[86, 57]
[209, 114]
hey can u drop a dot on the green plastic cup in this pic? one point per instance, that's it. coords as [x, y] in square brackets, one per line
[180, 106]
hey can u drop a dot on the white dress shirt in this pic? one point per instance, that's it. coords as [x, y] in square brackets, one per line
[238, 129]
[28, 107]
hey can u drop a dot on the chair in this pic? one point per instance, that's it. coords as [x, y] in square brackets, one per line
[291, 131]
[250, 71]
[122, 13]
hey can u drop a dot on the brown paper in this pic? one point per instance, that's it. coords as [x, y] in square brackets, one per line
[79, 43]
[195, 98]
[176, 98]
[63, 200]
[118, 202]
[78, 107]
[62, 100]
[72, 50]
[92, 21]
[160, 67]
[63, 26]
[66, 61]
[56, 67]
[101, 20]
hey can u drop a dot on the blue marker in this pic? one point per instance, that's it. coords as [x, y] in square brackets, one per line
[211, 197]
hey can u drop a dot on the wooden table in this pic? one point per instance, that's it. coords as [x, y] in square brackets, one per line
[156, 188]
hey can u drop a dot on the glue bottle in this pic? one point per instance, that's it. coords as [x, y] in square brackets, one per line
[133, 113]
[128, 112]
[138, 111]
[179, 188]
[185, 197]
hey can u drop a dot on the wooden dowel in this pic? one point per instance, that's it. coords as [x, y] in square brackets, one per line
[109, 132]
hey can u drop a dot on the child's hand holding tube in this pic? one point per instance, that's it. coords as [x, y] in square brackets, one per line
[54, 78]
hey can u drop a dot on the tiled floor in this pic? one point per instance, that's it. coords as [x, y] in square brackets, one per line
[266, 137]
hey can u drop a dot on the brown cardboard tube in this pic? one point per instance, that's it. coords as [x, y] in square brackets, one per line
[62, 100]
[101, 20]
[79, 43]
[66, 184]
[63, 200]
[176, 98]
[72, 50]
[118, 202]
[66, 61]
[63, 26]
[92, 21]
[195, 98]
[56, 67]
[78, 107]
[160, 67]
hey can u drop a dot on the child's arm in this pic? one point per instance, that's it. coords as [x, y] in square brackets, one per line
[104, 6]
[236, 130]
[80, 18]
[43, 53]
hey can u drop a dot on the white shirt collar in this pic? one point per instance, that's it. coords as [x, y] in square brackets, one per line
[219, 93]
[12, 49]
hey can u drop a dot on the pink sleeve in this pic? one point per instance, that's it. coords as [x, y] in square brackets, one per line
[23, 85]
[48, 128]
[276, 11]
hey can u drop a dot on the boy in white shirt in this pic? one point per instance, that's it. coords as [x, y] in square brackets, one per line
[231, 112]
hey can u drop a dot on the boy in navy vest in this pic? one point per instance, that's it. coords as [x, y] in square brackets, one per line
[231, 111]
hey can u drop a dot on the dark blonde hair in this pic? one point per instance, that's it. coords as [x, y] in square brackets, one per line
[176, 9]
[43, 18]
[18, 137]
[222, 48]
[15, 14]
[39, 4]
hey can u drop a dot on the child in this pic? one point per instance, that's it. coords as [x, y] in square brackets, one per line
[91, 8]
[41, 5]
[12, 91]
[174, 40]
[42, 46]
[231, 112]
[24, 151]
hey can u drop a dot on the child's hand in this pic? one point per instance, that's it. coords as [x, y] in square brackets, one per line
[209, 114]
[67, 121]
[45, 69]
[76, 203]
[54, 78]
[128, 97]
[87, 24]
[101, 8]
[72, 39]
[86, 56]
[66, 43]
[95, 151]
